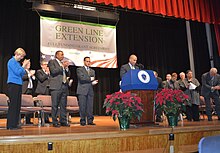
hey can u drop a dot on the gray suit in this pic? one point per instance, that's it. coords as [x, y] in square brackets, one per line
[59, 91]
[125, 68]
[170, 84]
[207, 83]
[43, 82]
[85, 94]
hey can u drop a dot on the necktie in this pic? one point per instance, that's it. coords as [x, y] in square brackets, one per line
[88, 71]
[30, 83]
[64, 76]
[212, 81]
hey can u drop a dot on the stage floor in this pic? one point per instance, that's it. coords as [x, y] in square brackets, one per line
[105, 127]
[106, 137]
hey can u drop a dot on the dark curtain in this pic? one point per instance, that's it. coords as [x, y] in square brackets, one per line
[19, 28]
[200, 48]
[217, 35]
[160, 44]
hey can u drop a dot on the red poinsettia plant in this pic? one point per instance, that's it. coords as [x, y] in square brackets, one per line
[123, 104]
[171, 101]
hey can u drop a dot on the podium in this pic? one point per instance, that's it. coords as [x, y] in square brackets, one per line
[144, 84]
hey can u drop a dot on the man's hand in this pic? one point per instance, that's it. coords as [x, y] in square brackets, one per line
[66, 64]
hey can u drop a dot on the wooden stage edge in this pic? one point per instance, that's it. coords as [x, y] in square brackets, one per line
[105, 137]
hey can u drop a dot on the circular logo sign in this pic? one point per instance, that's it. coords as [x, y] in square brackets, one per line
[143, 76]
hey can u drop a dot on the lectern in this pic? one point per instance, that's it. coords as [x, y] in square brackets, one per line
[144, 84]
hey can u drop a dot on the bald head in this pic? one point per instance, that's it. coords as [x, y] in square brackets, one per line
[133, 59]
[213, 71]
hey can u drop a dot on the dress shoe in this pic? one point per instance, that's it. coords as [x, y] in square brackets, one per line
[19, 127]
[65, 124]
[91, 123]
[209, 119]
[56, 125]
[82, 124]
[159, 120]
[47, 121]
[13, 128]
[29, 122]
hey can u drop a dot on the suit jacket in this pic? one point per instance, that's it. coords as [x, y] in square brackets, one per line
[125, 68]
[56, 73]
[170, 84]
[193, 93]
[159, 81]
[207, 84]
[25, 79]
[84, 86]
[43, 82]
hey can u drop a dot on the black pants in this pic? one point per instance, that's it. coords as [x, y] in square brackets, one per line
[86, 108]
[14, 94]
[59, 99]
[192, 112]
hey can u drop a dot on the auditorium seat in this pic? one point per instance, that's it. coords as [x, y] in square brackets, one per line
[72, 106]
[3, 103]
[46, 103]
[27, 106]
[202, 106]
[210, 144]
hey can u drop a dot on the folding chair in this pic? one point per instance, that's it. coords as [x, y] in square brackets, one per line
[3, 103]
[27, 106]
[46, 105]
[202, 106]
[72, 106]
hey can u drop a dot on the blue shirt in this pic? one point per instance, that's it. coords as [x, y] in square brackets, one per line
[15, 72]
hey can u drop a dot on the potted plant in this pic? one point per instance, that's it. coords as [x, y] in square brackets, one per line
[171, 102]
[123, 106]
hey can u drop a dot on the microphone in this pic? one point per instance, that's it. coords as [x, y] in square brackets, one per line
[141, 66]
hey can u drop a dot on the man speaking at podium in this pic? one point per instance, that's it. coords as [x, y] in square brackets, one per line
[132, 64]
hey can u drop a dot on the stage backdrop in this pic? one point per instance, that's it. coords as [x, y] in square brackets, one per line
[78, 40]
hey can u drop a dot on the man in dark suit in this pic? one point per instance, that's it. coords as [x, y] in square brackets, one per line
[171, 82]
[86, 80]
[28, 81]
[130, 65]
[159, 88]
[28, 87]
[210, 87]
[42, 76]
[59, 72]
[42, 88]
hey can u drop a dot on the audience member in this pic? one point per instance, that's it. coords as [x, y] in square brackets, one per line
[14, 81]
[59, 72]
[193, 87]
[210, 87]
[86, 80]
[130, 65]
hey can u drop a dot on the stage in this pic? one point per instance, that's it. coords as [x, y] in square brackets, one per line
[105, 137]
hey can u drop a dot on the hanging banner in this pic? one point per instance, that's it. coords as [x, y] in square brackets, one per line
[78, 40]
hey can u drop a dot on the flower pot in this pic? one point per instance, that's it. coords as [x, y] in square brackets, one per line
[124, 122]
[172, 119]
